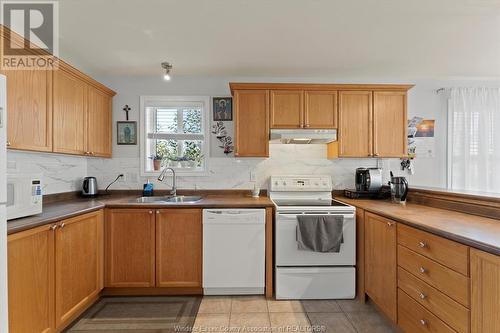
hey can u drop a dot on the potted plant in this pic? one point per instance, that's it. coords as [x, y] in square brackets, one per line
[156, 161]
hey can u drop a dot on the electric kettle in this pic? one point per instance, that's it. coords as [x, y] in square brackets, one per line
[89, 187]
[399, 189]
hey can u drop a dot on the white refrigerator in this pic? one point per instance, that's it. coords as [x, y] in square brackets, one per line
[3, 209]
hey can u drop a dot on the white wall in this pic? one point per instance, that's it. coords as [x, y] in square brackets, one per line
[235, 173]
[64, 173]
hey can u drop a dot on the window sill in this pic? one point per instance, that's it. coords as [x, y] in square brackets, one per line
[178, 172]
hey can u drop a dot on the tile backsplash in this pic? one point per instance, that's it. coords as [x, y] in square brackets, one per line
[64, 173]
[234, 173]
[61, 173]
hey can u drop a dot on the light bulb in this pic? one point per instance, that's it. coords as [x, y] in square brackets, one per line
[166, 77]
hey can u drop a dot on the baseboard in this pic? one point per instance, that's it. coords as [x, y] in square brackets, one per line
[152, 291]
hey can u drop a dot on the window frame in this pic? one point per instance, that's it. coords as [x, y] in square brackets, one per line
[143, 132]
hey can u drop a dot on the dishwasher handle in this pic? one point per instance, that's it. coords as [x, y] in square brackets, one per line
[234, 217]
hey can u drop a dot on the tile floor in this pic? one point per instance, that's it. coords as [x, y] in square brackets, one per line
[256, 314]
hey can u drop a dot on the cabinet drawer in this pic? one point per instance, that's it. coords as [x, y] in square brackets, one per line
[442, 250]
[413, 317]
[451, 312]
[451, 283]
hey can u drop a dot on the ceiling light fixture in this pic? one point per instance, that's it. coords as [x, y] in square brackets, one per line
[167, 67]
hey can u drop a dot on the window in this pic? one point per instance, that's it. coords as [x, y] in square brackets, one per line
[474, 140]
[174, 131]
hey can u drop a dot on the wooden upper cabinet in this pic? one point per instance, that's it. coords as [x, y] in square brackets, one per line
[130, 248]
[251, 114]
[320, 109]
[380, 263]
[70, 113]
[29, 108]
[287, 108]
[99, 123]
[355, 124]
[485, 292]
[78, 264]
[389, 124]
[31, 280]
[178, 248]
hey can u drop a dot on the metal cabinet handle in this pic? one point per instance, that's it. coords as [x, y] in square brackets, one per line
[422, 244]
[422, 296]
[150, 212]
[390, 224]
[423, 322]
[8, 143]
[157, 212]
[62, 225]
[423, 270]
[53, 227]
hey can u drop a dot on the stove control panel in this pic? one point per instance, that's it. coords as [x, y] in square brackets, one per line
[300, 183]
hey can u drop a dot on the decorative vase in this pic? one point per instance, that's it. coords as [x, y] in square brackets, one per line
[156, 165]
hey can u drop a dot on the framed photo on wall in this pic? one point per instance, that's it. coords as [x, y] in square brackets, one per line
[126, 132]
[223, 108]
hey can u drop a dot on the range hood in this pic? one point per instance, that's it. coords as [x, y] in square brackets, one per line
[303, 136]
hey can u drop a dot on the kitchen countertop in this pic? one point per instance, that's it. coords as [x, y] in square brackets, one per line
[479, 232]
[60, 210]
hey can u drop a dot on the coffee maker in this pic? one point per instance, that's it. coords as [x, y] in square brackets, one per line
[368, 183]
[368, 179]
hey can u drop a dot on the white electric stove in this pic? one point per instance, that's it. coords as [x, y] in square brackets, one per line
[306, 274]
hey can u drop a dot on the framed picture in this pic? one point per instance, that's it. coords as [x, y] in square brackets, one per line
[126, 132]
[223, 108]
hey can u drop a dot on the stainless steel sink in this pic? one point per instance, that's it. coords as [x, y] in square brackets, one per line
[184, 198]
[167, 200]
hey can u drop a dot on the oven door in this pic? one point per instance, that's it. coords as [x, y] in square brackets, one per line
[288, 254]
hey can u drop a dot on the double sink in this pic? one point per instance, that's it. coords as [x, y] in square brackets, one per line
[168, 200]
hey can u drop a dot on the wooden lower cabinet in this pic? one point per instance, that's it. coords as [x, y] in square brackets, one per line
[130, 248]
[485, 292]
[178, 248]
[31, 280]
[78, 265]
[380, 263]
[414, 318]
[54, 273]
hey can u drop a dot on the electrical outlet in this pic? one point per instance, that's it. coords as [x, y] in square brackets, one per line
[253, 176]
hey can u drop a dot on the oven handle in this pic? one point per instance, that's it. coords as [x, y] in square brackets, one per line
[294, 215]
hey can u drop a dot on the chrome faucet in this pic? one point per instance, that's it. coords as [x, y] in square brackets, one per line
[161, 177]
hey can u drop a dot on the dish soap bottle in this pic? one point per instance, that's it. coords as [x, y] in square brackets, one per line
[147, 190]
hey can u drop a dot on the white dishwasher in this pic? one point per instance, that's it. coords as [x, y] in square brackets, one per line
[233, 251]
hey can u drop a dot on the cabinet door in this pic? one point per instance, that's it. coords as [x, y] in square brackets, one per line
[355, 124]
[178, 247]
[320, 109]
[389, 124]
[78, 265]
[380, 263]
[70, 113]
[485, 296]
[287, 108]
[130, 248]
[29, 108]
[31, 280]
[251, 123]
[99, 120]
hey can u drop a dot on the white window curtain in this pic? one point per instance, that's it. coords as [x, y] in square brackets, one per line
[474, 139]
